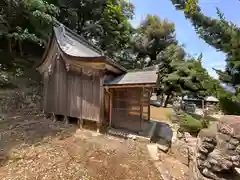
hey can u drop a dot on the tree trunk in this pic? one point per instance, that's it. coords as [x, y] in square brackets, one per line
[166, 102]
[20, 48]
[162, 99]
[9, 45]
[153, 57]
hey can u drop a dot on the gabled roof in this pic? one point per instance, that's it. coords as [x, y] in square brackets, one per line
[133, 78]
[74, 45]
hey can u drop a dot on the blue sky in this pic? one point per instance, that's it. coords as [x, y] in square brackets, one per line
[184, 30]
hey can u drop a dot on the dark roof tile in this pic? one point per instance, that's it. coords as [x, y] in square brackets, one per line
[137, 77]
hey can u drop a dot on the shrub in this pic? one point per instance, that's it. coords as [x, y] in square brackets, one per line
[205, 122]
[229, 106]
[191, 124]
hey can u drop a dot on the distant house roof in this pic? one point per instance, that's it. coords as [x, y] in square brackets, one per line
[137, 77]
[74, 45]
[208, 98]
[211, 99]
[189, 98]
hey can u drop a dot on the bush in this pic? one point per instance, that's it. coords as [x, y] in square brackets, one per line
[191, 124]
[229, 106]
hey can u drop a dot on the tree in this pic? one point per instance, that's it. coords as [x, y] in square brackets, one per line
[25, 26]
[26, 20]
[104, 22]
[169, 61]
[151, 37]
[179, 74]
[222, 35]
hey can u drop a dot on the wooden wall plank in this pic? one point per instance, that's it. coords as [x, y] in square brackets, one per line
[126, 111]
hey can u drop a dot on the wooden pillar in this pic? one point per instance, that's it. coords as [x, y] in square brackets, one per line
[53, 117]
[45, 115]
[66, 120]
[203, 108]
[80, 122]
[110, 110]
[98, 127]
[101, 108]
[141, 106]
[149, 100]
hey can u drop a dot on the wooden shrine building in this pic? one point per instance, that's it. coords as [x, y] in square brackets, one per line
[81, 82]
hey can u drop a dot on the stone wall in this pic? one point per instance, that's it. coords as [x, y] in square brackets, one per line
[217, 153]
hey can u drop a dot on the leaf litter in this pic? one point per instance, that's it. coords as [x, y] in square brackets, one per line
[39, 149]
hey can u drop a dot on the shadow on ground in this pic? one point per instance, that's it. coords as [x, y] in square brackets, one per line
[26, 130]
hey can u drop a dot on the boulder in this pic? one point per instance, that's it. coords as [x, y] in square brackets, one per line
[218, 151]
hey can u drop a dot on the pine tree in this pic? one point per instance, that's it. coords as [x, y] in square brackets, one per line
[179, 74]
[222, 35]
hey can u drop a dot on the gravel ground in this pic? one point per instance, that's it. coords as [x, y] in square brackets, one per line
[34, 148]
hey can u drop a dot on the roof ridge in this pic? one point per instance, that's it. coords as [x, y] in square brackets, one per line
[80, 38]
[86, 43]
[141, 70]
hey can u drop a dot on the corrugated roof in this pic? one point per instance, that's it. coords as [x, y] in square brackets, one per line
[137, 77]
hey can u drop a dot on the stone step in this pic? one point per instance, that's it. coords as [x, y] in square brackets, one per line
[121, 133]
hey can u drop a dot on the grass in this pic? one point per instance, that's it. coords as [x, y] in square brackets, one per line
[160, 113]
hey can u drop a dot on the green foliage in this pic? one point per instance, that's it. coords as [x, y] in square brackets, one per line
[192, 125]
[26, 25]
[229, 106]
[27, 20]
[179, 74]
[151, 37]
[222, 35]
[191, 6]
[105, 22]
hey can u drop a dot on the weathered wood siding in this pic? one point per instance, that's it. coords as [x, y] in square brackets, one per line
[71, 93]
[146, 104]
[91, 98]
[74, 94]
[106, 106]
[55, 89]
[126, 108]
[83, 96]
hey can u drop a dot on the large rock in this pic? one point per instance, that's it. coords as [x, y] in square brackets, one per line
[217, 153]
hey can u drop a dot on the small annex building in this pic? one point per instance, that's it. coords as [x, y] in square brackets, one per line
[81, 82]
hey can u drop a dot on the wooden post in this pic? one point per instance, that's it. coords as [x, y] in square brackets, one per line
[53, 117]
[98, 127]
[45, 115]
[203, 108]
[66, 120]
[141, 107]
[80, 122]
[101, 108]
[110, 110]
[149, 109]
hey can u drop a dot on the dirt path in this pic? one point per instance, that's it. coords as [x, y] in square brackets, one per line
[33, 148]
